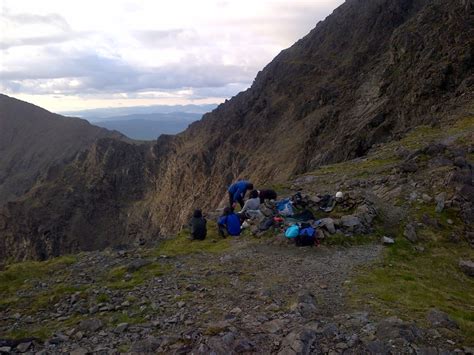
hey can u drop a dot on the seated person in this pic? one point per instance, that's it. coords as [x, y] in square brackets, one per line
[251, 206]
[198, 226]
[237, 192]
[267, 195]
[228, 223]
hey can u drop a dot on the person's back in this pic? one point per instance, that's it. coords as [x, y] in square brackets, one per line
[253, 203]
[237, 192]
[230, 221]
[198, 226]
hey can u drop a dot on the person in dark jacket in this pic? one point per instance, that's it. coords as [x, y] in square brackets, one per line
[228, 223]
[237, 192]
[267, 195]
[198, 226]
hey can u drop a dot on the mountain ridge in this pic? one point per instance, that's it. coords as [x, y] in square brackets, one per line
[33, 139]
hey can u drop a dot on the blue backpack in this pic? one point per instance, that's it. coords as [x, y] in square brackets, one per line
[285, 207]
[306, 237]
[292, 231]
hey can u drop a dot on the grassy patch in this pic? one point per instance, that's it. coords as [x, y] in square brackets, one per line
[362, 168]
[408, 283]
[102, 298]
[23, 276]
[182, 245]
[43, 330]
[17, 275]
[122, 317]
[117, 277]
[342, 240]
[47, 299]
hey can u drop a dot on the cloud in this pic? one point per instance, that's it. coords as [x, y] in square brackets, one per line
[89, 73]
[166, 38]
[37, 41]
[136, 48]
[23, 19]
[26, 29]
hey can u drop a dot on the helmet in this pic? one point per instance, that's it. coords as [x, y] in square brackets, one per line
[339, 194]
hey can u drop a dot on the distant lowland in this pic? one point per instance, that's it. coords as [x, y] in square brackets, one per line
[145, 122]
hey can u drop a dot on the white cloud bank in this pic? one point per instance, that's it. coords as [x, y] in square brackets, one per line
[70, 55]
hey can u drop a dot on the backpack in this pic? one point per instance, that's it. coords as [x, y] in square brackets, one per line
[266, 224]
[284, 207]
[292, 231]
[306, 236]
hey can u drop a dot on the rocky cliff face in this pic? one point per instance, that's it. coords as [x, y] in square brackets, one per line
[367, 74]
[33, 139]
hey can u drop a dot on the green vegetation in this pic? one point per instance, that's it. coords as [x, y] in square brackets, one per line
[17, 276]
[23, 276]
[119, 278]
[182, 245]
[102, 298]
[46, 299]
[408, 284]
[342, 240]
[43, 330]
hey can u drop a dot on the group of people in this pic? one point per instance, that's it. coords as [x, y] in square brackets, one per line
[229, 223]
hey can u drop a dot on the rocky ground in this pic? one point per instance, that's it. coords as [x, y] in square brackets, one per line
[250, 298]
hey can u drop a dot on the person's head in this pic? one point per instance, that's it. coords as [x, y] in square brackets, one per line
[197, 213]
[250, 186]
[227, 211]
[339, 195]
[254, 194]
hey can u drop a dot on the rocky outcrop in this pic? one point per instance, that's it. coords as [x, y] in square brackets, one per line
[367, 74]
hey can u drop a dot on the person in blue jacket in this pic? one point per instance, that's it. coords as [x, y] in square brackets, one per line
[228, 223]
[237, 192]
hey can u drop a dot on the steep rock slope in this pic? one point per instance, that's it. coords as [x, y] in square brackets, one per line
[33, 139]
[367, 74]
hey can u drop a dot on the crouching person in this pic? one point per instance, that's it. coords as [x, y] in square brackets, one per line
[251, 207]
[198, 226]
[228, 223]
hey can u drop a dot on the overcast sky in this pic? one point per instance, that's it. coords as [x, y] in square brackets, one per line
[70, 55]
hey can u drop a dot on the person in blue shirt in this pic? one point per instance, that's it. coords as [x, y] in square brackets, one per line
[228, 223]
[237, 192]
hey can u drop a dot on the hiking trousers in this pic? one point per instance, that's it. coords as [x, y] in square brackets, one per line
[240, 200]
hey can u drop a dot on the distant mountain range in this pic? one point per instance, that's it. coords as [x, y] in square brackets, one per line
[149, 126]
[111, 113]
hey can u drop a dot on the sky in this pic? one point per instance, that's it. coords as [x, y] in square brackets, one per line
[74, 55]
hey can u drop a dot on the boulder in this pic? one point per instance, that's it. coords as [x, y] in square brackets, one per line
[267, 212]
[409, 166]
[23, 347]
[244, 346]
[460, 162]
[147, 346]
[410, 233]
[350, 221]
[440, 319]
[298, 342]
[273, 326]
[137, 264]
[90, 325]
[328, 223]
[440, 202]
[387, 240]
[467, 266]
